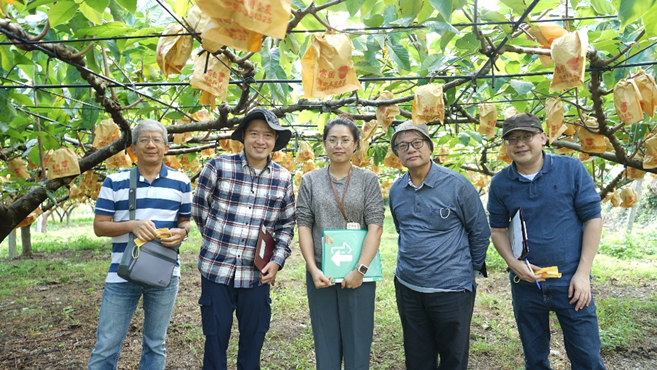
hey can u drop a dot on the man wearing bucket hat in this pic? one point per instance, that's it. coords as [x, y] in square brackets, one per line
[443, 238]
[561, 210]
[236, 196]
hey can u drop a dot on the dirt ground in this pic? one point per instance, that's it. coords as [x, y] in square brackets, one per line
[64, 334]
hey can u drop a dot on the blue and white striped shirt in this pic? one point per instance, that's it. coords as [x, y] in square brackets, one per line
[164, 201]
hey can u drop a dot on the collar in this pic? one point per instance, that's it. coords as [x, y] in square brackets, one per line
[245, 162]
[547, 166]
[164, 172]
[430, 180]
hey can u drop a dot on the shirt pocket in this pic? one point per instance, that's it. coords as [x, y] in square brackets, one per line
[442, 217]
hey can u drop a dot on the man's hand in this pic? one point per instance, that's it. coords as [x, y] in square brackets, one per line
[352, 280]
[144, 230]
[269, 273]
[580, 291]
[523, 272]
[177, 236]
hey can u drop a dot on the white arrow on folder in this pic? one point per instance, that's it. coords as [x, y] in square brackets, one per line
[338, 258]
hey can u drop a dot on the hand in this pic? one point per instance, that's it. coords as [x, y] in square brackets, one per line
[269, 273]
[352, 280]
[580, 290]
[523, 272]
[177, 236]
[144, 230]
[320, 280]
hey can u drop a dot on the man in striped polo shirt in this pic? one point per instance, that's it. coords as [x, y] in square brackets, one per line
[163, 201]
[235, 195]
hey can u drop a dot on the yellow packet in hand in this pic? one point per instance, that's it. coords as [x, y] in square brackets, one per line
[548, 272]
[164, 233]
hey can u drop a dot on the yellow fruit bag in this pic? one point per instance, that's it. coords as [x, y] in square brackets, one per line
[368, 129]
[326, 67]
[428, 105]
[502, 155]
[173, 51]
[106, 132]
[18, 167]
[545, 34]
[391, 160]
[554, 118]
[211, 76]
[305, 153]
[119, 160]
[268, 17]
[648, 90]
[172, 161]
[590, 141]
[629, 197]
[487, 119]
[63, 163]
[385, 114]
[627, 100]
[569, 55]
[650, 158]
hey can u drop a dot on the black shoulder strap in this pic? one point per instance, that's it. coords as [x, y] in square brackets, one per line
[132, 197]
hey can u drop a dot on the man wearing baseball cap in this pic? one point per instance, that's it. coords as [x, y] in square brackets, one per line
[237, 195]
[561, 210]
[443, 238]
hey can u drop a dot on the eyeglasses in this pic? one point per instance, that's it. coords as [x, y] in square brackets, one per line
[526, 138]
[155, 140]
[333, 142]
[403, 146]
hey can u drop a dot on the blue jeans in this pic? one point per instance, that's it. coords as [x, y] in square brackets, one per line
[116, 310]
[532, 307]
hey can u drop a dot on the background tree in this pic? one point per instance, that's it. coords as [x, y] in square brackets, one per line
[67, 65]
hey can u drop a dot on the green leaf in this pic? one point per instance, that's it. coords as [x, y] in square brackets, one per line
[518, 6]
[409, 8]
[399, 55]
[91, 14]
[353, 6]
[62, 12]
[603, 7]
[89, 114]
[521, 87]
[464, 138]
[37, 3]
[441, 27]
[650, 21]
[631, 10]
[51, 195]
[321, 121]
[444, 7]
[7, 110]
[129, 5]
[106, 30]
[97, 5]
[476, 136]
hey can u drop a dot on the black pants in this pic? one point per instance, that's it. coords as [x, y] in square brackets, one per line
[435, 324]
[253, 311]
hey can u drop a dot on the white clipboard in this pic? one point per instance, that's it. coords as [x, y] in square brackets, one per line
[518, 235]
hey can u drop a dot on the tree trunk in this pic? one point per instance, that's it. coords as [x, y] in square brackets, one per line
[12, 245]
[26, 239]
[44, 221]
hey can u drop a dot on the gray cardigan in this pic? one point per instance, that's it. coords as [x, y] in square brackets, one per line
[317, 208]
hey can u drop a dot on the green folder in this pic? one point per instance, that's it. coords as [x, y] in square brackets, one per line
[341, 251]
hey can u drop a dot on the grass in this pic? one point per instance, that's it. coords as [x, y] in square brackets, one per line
[76, 256]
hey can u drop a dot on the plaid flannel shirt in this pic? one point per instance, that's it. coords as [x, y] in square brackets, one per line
[230, 203]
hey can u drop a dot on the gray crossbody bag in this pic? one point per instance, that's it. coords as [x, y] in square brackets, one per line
[150, 265]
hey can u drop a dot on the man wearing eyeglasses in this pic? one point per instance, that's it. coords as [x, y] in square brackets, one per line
[443, 238]
[561, 209]
[164, 200]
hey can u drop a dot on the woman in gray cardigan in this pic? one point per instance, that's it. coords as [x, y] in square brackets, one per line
[340, 196]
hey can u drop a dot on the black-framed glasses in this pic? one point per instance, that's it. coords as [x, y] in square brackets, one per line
[526, 138]
[403, 146]
[156, 140]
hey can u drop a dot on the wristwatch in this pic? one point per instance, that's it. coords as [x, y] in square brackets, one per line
[362, 269]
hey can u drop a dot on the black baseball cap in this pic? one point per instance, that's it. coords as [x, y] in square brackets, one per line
[522, 121]
[284, 134]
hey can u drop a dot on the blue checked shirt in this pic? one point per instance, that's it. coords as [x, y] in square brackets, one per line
[230, 203]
